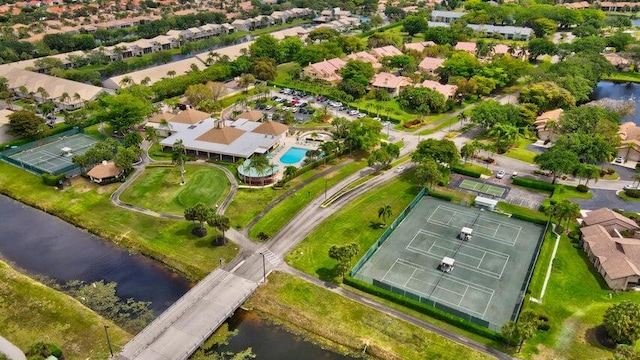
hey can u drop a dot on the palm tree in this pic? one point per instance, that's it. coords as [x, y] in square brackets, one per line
[564, 210]
[220, 223]
[179, 156]
[78, 98]
[261, 164]
[64, 98]
[171, 73]
[145, 81]
[385, 212]
[23, 91]
[290, 172]
[44, 95]
[126, 81]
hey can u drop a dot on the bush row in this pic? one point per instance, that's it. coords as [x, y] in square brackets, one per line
[465, 171]
[529, 218]
[423, 308]
[634, 193]
[441, 196]
[534, 184]
[52, 180]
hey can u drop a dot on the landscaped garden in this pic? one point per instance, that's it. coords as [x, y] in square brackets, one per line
[159, 189]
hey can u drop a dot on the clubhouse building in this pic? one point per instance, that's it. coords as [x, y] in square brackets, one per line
[225, 140]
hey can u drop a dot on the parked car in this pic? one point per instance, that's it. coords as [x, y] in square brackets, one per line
[619, 159]
[632, 187]
[400, 169]
[360, 116]
[500, 174]
[353, 112]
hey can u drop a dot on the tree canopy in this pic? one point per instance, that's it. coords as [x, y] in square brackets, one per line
[25, 123]
[123, 111]
[622, 322]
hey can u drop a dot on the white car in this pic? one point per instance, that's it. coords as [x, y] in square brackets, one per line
[500, 174]
[619, 159]
[353, 112]
[400, 169]
[360, 116]
[632, 187]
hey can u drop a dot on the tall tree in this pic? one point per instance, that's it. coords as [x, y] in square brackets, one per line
[343, 254]
[123, 111]
[385, 212]
[24, 123]
[442, 151]
[200, 213]
[179, 157]
[428, 173]
[558, 160]
[220, 223]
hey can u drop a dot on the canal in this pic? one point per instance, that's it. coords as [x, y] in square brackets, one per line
[620, 91]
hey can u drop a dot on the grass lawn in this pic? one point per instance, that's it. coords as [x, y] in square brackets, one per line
[520, 152]
[277, 217]
[32, 312]
[515, 209]
[563, 192]
[388, 109]
[156, 153]
[332, 320]
[158, 188]
[622, 76]
[575, 302]
[93, 131]
[358, 222]
[88, 205]
[625, 197]
[475, 167]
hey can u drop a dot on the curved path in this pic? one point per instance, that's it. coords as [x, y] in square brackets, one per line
[10, 350]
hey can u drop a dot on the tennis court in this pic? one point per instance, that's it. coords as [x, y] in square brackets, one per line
[50, 157]
[486, 282]
[482, 187]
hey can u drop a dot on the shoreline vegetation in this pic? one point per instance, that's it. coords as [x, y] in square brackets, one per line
[51, 315]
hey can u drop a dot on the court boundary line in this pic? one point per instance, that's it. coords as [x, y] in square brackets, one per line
[451, 278]
[469, 214]
[497, 276]
[478, 185]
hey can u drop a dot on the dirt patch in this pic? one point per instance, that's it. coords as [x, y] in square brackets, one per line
[599, 336]
[545, 353]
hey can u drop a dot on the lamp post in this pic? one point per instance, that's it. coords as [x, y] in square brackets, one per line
[325, 189]
[221, 261]
[264, 269]
[108, 341]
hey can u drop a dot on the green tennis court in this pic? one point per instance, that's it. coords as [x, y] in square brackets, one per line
[482, 187]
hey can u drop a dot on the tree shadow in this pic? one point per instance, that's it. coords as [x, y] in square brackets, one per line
[219, 241]
[597, 336]
[376, 225]
[327, 275]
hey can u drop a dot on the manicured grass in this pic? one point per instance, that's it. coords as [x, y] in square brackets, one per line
[520, 152]
[347, 326]
[622, 76]
[88, 205]
[156, 153]
[247, 204]
[565, 192]
[475, 167]
[613, 176]
[159, 189]
[357, 222]
[575, 302]
[625, 197]
[93, 131]
[277, 217]
[529, 213]
[32, 312]
[388, 109]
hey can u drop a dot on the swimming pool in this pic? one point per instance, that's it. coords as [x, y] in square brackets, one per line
[293, 156]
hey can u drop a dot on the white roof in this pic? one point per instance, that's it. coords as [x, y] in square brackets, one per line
[466, 230]
[448, 261]
[155, 73]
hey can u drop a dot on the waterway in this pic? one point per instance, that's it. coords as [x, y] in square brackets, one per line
[270, 342]
[45, 245]
[620, 91]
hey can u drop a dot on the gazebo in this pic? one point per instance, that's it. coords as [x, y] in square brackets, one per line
[252, 176]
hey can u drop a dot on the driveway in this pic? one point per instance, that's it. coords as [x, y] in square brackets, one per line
[10, 350]
[607, 198]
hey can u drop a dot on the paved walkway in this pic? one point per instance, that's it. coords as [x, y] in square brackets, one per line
[10, 350]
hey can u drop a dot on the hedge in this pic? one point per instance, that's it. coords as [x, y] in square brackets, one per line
[534, 184]
[52, 180]
[465, 171]
[529, 218]
[422, 308]
[441, 196]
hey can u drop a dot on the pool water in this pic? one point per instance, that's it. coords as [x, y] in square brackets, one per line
[293, 156]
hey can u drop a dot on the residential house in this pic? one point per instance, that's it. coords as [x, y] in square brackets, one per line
[469, 47]
[507, 32]
[609, 247]
[629, 147]
[577, 5]
[544, 129]
[243, 24]
[448, 91]
[326, 70]
[419, 46]
[430, 64]
[384, 51]
[446, 16]
[391, 83]
[365, 57]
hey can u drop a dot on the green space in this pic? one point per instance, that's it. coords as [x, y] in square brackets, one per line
[158, 188]
[348, 327]
[566, 192]
[519, 152]
[575, 301]
[32, 312]
[156, 153]
[622, 76]
[357, 222]
[523, 212]
[282, 213]
[475, 168]
[89, 206]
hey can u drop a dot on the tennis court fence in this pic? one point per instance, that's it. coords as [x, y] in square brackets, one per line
[6, 154]
[387, 232]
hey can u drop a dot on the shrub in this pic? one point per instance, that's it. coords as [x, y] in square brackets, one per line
[465, 171]
[262, 236]
[582, 188]
[634, 193]
[574, 235]
[533, 184]
[611, 171]
[52, 180]
[440, 196]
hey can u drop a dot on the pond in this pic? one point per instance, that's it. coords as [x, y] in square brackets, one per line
[43, 244]
[620, 91]
[270, 342]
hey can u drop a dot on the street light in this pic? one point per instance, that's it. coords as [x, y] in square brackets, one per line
[108, 341]
[221, 261]
[325, 189]
[264, 269]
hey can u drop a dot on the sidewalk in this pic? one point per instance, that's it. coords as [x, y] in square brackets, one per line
[10, 350]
